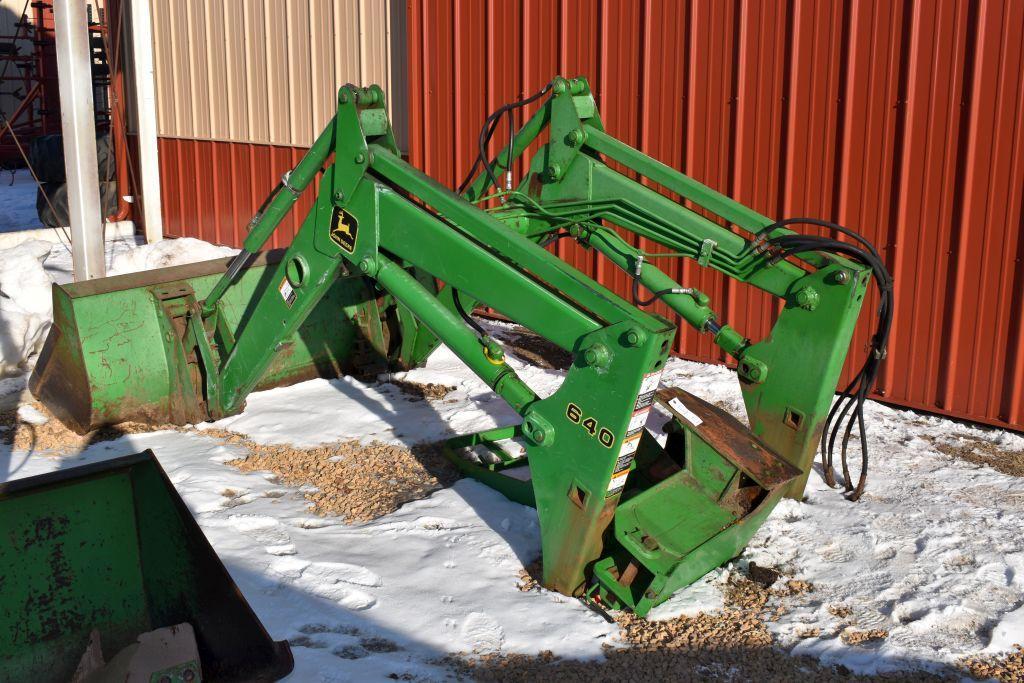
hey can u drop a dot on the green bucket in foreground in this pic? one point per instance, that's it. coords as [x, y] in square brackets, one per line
[111, 546]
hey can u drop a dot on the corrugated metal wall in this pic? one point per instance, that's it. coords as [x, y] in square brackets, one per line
[902, 120]
[244, 87]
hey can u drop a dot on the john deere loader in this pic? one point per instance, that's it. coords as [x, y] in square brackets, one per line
[389, 263]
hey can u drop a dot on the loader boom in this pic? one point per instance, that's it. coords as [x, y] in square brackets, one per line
[624, 519]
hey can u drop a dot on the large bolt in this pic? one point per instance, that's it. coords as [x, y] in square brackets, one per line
[596, 355]
[554, 172]
[635, 337]
[575, 137]
[807, 298]
[360, 158]
[367, 266]
[842, 277]
[339, 196]
[559, 87]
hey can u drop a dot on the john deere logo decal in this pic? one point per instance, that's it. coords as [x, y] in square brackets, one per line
[344, 229]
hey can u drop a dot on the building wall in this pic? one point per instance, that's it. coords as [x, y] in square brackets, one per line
[901, 120]
[244, 87]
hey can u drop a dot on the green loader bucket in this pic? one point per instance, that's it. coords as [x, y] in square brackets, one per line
[114, 353]
[111, 547]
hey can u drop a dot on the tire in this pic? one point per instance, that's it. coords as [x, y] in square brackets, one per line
[46, 154]
[58, 196]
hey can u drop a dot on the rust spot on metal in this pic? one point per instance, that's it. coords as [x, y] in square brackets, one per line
[729, 437]
[564, 571]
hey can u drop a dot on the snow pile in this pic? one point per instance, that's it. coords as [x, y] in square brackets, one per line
[26, 306]
[165, 253]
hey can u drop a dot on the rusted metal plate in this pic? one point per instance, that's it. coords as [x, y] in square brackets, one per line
[729, 437]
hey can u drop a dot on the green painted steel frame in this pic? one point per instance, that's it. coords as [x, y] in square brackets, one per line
[378, 216]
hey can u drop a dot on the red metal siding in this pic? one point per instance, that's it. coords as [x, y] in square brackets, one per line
[902, 120]
[211, 189]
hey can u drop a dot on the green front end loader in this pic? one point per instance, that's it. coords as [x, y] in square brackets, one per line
[389, 263]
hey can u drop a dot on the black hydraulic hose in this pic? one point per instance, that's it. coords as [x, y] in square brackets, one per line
[487, 132]
[637, 301]
[550, 239]
[849, 409]
[466, 316]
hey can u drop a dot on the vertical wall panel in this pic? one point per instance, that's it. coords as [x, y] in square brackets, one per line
[218, 88]
[244, 87]
[234, 87]
[268, 71]
[903, 120]
[256, 73]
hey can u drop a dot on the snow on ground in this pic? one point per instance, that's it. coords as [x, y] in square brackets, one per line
[933, 552]
[18, 201]
[25, 304]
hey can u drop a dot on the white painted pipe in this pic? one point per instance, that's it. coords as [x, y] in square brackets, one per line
[78, 124]
[145, 112]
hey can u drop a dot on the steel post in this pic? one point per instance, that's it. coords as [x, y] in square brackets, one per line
[145, 111]
[78, 123]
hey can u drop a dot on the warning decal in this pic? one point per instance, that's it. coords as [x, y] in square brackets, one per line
[287, 292]
[637, 422]
[648, 387]
[623, 463]
[629, 446]
[618, 482]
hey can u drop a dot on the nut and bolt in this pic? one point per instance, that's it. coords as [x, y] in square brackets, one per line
[807, 298]
[597, 355]
[339, 196]
[575, 137]
[554, 172]
[634, 337]
[842, 277]
[360, 158]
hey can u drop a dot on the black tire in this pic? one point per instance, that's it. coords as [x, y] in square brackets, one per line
[58, 196]
[46, 154]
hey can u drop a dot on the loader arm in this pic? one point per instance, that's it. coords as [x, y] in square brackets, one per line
[623, 518]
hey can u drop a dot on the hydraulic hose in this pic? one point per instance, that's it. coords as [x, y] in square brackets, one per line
[849, 409]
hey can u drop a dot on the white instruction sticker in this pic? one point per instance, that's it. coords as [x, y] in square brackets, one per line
[618, 481]
[638, 421]
[681, 408]
[287, 292]
[648, 387]
[629, 446]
